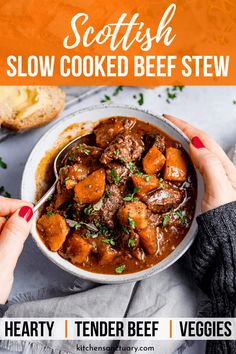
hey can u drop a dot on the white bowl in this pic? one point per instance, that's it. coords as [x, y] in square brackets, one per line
[93, 114]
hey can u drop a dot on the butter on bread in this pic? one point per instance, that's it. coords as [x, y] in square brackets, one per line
[26, 107]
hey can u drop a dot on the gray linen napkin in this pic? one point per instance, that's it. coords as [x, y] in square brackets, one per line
[168, 294]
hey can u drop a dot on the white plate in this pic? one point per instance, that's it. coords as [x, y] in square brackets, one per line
[93, 114]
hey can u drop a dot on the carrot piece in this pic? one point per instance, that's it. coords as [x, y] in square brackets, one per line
[148, 239]
[145, 184]
[77, 249]
[134, 214]
[54, 230]
[176, 165]
[90, 189]
[153, 161]
[61, 198]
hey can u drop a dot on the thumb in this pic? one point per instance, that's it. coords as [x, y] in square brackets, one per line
[13, 236]
[218, 189]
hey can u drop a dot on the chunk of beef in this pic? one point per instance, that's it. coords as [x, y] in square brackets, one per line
[160, 143]
[73, 174]
[128, 239]
[107, 130]
[117, 173]
[85, 155]
[54, 229]
[129, 123]
[62, 196]
[139, 254]
[126, 147]
[164, 199]
[155, 219]
[111, 204]
[154, 139]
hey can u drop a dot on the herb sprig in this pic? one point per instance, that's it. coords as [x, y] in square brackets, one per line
[115, 176]
[131, 196]
[131, 222]
[4, 193]
[120, 269]
[3, 163]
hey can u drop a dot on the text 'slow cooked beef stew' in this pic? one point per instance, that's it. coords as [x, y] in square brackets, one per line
[125, 199]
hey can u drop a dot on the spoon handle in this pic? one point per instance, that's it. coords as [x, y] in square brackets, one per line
[45, 197]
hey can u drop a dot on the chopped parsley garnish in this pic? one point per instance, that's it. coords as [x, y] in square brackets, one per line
[50, 198]
[103, 230]
[145, 177]
[131, 166]
[110, 241]
[83, 149]
[120, 269]
[171, 96]
[131, 222]
[180, 215]
[131, 242]
[126, 230]
[140, 98]
[166, 220]
[180, 88]
[3, 164]
[86, 152]
[130, 197]
[107, 194]
[114, 175]
[116, 153]
[50, 213]
[117, 90]
[89, 210]
[4, 193]
[69, 158]
[105, 99]
[172, 92]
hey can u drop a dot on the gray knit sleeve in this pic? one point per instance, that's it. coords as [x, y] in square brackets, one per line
[3, 309]
[214, 266]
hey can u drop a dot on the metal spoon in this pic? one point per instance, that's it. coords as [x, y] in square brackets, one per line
[84, 139]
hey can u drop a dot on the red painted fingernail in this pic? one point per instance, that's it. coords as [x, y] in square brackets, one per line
[26, 213]
[197, 143]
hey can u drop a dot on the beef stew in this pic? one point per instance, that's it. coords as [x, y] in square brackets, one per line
[124, 200]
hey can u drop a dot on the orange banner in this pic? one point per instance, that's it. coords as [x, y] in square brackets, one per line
[130, 42]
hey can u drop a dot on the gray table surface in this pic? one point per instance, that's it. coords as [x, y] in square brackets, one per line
[210, 108]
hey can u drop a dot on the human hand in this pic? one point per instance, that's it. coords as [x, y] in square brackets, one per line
[15, 224]
[218, 172]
